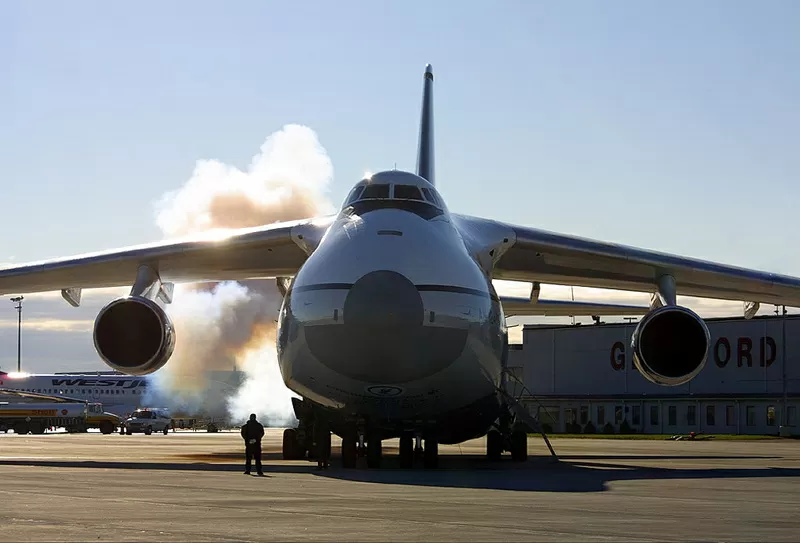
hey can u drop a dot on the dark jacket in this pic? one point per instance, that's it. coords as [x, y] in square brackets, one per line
[252, 430]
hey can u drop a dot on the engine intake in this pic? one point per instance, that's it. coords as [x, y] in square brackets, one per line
[134, 335]
[670, 345]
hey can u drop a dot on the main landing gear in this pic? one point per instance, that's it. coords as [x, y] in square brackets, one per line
[516, 443]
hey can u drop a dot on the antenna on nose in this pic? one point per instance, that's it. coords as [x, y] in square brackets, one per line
[425, 150]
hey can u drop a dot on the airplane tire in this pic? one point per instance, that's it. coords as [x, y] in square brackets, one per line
[374, 453]
[431, 453]
[494, 446]
[349, 451]
[519, 446]
[37, 428]
[291, 445]
[322, 450]
[406, 451]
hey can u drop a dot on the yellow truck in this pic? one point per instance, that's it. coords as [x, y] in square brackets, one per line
[106, 422]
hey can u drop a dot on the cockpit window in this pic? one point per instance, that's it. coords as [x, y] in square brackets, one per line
[355, 194]
[407, 192]
[431, 196]
[374, 192]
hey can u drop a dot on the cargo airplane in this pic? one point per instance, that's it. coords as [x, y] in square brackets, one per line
[390, 325]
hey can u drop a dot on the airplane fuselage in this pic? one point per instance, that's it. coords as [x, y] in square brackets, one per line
[391, 320]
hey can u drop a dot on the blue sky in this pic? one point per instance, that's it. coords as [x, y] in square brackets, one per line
[671, 126]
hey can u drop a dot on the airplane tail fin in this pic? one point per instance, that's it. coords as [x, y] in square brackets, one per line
[425, 149]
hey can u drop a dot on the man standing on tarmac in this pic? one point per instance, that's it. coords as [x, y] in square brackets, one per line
[252, 432]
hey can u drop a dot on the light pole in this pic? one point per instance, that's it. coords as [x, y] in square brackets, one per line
[18, 307]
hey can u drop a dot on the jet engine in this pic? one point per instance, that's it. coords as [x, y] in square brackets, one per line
[134, 335]
[670, 345]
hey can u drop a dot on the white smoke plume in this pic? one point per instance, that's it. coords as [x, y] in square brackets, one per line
[231, 326]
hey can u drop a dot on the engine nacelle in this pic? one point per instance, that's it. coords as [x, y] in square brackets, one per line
[134, 335]
[670, 345]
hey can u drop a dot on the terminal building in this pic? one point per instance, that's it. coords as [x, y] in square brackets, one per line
[581, 378]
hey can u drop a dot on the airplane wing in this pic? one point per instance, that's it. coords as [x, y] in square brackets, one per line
[524, 307]
[527, 254]
[273, 250]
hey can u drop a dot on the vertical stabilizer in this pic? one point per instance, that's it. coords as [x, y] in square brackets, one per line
[425, 151]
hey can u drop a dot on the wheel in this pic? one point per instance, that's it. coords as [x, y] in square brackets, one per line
[148, 430]
[519, 446]
[406, 451]
[128, 432]
[21, 428]
[166, 429]
[431, 453]
[291, 446]
[494, 445]
[322, 437]
[374, 453]
[349, 451]
[106, 427]
[37, 428]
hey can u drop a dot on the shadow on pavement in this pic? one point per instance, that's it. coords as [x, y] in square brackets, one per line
[576, 473]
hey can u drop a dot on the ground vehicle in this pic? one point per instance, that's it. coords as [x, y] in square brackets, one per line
[37, 417]
[147, 421]
[106, 422]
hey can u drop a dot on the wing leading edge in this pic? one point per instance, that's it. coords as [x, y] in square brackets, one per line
[533, 255]
[273, 250]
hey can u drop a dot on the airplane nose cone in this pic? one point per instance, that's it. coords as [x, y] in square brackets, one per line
[384, 300]
[383, 338]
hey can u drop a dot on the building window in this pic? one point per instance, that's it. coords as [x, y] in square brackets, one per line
[637, 415]
[790, 415]
[672, 415]
[770, 415]
[711, 415]
[601, 415]
[618, 414]
[584, 414]
[653, 415]
[691, 415]
[550, 415]
[751, 415]
[730, 416]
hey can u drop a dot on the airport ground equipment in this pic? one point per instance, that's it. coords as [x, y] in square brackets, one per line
[104, 421]
[36, 417]
[148, 421]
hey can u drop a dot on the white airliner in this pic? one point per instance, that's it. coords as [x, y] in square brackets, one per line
[390, 325]
[119, 393]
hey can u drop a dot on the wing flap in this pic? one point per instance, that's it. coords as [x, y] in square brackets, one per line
[249, 253]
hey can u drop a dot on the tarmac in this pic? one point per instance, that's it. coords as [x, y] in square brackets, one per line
[189, 486]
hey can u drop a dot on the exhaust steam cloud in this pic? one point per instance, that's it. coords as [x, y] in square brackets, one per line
[231, 325]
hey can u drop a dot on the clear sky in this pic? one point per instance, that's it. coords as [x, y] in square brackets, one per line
[672, 126]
